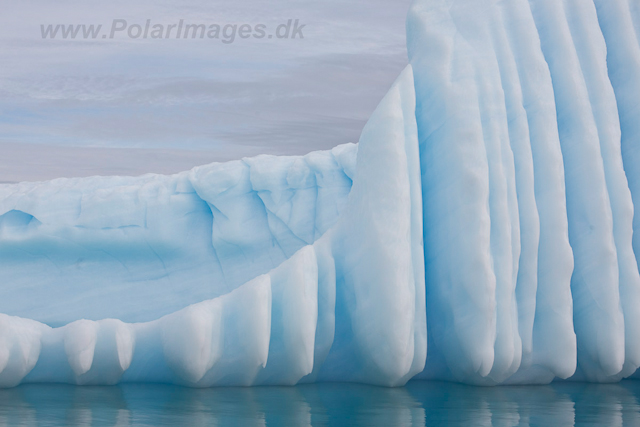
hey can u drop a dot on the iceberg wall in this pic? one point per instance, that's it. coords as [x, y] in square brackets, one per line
[346, 304]
[516, 99]
[169, 241]
[482, 231]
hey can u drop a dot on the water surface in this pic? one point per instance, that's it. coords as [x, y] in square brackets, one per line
[417, 404]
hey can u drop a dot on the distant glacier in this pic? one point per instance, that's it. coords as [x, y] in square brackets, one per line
[481, 231]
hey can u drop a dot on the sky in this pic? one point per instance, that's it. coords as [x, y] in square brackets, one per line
[128, 105]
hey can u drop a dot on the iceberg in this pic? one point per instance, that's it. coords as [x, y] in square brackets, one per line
[481, 231]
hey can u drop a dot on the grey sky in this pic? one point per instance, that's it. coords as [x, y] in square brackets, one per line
[130, 106]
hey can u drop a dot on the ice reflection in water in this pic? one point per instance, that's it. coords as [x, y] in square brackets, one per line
[417, 404]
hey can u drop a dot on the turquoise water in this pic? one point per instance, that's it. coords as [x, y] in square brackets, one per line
[417, 404]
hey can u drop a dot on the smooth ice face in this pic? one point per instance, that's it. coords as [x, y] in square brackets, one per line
[170, 241]
[483, 231]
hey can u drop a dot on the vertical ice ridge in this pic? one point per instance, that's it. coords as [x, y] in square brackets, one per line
[294, 317]
[325, 329]
[461, 284]
[529, 221]
[505, 233]
[553, 338]
[246, 314]
[79, 345]
[592, 52]
[380, 328]
[623, 68]
[192, 339]
[113, 348]
[20, 348]
[412, 151]
[597, 315]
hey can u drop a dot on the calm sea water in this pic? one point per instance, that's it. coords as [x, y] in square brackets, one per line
[417, 404]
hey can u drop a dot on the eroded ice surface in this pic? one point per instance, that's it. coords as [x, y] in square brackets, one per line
[169, 241]
[481, 231]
